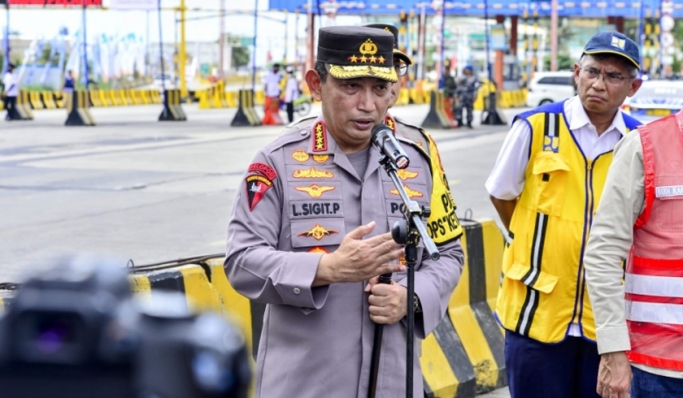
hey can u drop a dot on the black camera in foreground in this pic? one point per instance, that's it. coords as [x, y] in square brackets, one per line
[76, 332]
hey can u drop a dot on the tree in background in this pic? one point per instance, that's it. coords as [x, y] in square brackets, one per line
[240, 57]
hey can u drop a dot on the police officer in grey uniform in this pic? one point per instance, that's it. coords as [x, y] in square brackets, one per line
[466, 93]
[309, 235]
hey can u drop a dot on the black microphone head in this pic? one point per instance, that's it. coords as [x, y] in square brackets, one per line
[378, 129]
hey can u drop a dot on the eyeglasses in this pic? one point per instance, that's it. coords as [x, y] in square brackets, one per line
[613, 78]
[401, 69]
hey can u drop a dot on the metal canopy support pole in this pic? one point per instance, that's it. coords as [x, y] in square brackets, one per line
[553, 36]
[641, 34]
[253, 58]
[7, 58]
[296, 38]
[285, 61]
[85, 51]
[181, 60]
[442, 58]
[221, 65]
[310, 40]
[161, 50]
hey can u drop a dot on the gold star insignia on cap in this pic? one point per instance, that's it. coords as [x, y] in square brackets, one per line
[373, 59]
[381, 59]
[353, 59]
[363, 59]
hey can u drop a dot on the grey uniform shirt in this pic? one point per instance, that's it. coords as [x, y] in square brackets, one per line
[317, 341]
[611, 237]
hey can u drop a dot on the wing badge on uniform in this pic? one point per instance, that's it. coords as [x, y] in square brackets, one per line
[312, 173]
[406, 174]
[315, 190]
[318, 232]
[257, 185]
[411, 192]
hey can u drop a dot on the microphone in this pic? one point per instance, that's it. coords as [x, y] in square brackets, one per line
[384, 139]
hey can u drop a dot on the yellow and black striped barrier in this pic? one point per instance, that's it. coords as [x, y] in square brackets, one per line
[205, 286]
[246, 115]
[436, 117]
[35, 101]
[464, 356]
[172, 111]
[49, 100]
[23, 107]
[78, 109]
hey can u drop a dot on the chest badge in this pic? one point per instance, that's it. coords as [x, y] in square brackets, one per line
[411, 192]
[406, 174]
[315, 190]
[312, 173]
[318, 232]
[300, 155]
[321, 158]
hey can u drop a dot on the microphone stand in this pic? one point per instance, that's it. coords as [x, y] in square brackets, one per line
[407, 231]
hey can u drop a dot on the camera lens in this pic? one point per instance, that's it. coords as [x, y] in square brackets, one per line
[53, 333]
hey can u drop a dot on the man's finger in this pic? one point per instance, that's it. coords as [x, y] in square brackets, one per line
[381, 239]
[372, 282]
[361, 231]
[390, 269]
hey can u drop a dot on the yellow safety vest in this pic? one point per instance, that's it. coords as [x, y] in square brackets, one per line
[442, 225]
[543, 290]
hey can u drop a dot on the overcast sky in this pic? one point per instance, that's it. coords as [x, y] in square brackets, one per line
[45, 23]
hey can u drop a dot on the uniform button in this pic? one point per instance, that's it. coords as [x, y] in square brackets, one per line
[303, 132]
[297, 290]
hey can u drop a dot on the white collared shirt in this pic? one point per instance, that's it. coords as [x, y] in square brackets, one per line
[11, 86]
[507, 177]
[273, 84]
[506, 180]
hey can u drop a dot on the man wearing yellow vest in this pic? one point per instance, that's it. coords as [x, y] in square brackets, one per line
[641, 219]
[545, 186]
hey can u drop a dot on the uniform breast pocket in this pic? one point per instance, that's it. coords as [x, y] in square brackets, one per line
[550, 172]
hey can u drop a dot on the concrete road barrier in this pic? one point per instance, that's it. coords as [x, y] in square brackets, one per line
[78, 109]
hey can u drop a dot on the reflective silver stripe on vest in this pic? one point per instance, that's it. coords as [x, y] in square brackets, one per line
[531, 300]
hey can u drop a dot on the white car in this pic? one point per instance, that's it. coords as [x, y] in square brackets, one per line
[655, 99]
[547, 87]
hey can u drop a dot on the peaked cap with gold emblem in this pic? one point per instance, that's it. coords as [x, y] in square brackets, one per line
[394, 31]
[351, 52]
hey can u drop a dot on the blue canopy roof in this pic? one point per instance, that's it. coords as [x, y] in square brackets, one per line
[566, 8]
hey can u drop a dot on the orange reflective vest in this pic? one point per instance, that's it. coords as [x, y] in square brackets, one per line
[654, 274]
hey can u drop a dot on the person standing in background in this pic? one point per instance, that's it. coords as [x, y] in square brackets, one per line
[466, 92]
[272, 91]
[69, 82]
[11, 92]
[291, 94]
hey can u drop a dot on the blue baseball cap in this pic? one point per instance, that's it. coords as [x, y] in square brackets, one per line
[614, 43]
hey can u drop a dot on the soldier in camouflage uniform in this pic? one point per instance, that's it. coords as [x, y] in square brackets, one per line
[466, 93]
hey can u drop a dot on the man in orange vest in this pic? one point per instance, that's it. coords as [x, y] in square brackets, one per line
[640, 322]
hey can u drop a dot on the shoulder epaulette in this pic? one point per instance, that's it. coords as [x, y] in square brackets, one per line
[288, 137]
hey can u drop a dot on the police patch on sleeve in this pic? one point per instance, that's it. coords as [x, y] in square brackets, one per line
[257, 185]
